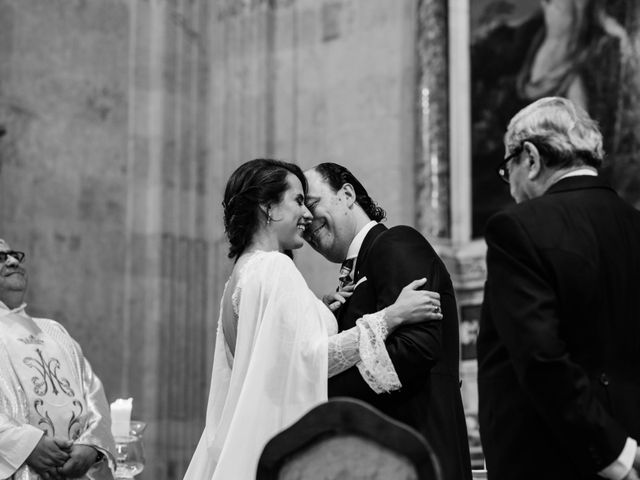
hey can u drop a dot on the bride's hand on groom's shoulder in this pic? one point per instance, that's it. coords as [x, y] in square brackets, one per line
[335, 300]
[414, 305]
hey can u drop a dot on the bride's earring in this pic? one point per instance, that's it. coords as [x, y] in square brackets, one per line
[268, 216]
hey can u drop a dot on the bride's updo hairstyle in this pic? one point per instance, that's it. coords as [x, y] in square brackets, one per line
[260, 181]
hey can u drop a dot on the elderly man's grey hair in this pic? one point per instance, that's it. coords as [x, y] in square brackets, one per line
[563, 133]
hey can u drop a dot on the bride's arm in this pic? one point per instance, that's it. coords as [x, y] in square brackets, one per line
[363, 345]
[344, 347]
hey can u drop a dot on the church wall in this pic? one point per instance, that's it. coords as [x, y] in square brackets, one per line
[354, 73]
[63, 102]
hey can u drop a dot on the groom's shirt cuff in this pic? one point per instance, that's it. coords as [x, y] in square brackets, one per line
[622, 465]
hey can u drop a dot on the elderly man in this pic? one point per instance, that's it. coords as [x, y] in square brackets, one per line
[424, 384]
[559, 342]
[54, 417]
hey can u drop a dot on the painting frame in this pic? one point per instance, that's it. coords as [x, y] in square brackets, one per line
[489, 57]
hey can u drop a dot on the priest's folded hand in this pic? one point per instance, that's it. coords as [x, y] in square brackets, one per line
[81, 458]
[49, 453]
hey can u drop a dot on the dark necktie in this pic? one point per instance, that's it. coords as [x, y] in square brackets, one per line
[344, 278]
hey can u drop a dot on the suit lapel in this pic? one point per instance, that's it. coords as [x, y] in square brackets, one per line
[366, 247]
[346, 314]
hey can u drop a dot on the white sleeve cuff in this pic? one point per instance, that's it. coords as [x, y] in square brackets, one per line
[622, 465]
[375, 365]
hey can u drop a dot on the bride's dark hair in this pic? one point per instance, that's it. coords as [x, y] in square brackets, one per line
[259, 181]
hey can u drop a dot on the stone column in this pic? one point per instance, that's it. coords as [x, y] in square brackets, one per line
[174, 266]
[432, 120]
[202, 96]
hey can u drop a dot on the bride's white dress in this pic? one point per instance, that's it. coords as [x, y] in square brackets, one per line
[276, 345]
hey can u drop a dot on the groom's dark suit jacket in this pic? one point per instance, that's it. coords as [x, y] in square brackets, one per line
[425, 356]
[559, 342]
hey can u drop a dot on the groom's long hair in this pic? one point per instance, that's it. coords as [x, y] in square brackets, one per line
[337, 175]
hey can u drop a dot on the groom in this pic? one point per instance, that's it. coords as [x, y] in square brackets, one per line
[380, 262]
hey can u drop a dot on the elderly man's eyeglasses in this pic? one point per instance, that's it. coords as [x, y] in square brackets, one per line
[19, 256]
[503, 170]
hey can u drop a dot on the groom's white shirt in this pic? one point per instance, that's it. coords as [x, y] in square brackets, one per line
[356, 244]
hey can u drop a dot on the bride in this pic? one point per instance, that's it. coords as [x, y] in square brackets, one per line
[276, 343]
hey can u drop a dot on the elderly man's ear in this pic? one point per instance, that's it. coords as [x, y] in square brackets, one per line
[533, 160]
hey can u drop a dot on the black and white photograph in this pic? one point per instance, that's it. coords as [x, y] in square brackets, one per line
[319, 239]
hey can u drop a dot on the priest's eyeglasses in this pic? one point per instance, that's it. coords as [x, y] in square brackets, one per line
[19, 256]
[503, 169]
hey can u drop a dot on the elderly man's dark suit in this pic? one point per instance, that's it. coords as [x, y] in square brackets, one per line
[425, 356]
[559, 342]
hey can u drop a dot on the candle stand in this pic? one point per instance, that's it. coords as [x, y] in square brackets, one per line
[130, 452]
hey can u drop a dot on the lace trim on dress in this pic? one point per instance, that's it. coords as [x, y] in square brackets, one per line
[375, 366]
[343, 350]
[363, 345]
[235, 299]
[237, 292]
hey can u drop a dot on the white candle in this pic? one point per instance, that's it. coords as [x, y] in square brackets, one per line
[121, 416]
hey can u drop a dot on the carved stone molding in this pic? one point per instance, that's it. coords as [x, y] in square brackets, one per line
[467, 266]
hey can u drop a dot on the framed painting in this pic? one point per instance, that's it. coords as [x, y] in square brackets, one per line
[523, 50]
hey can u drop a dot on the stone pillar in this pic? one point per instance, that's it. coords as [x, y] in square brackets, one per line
[203, 91]
[174, 265]
[444, 173]
[432, 121]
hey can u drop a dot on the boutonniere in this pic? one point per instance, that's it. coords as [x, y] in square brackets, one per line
[362, 280]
